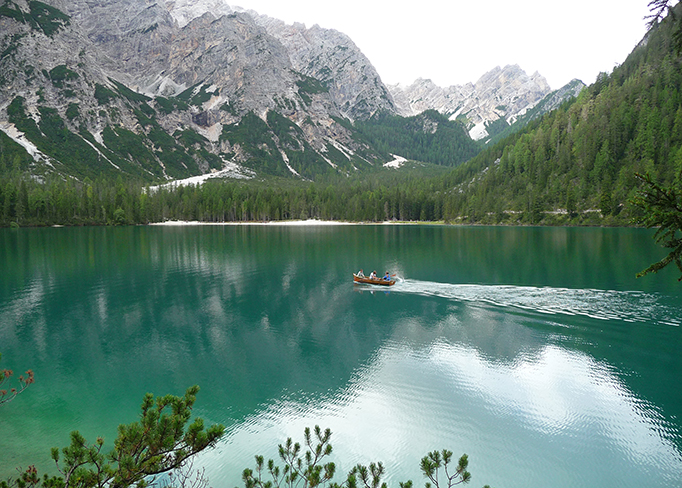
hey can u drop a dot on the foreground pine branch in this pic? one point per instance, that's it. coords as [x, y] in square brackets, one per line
[160, 442]
[662, 207]
[308, 470]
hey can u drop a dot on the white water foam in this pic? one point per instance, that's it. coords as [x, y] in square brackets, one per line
[629, 306]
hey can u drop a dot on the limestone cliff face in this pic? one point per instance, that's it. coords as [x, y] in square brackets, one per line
[252, 89]
[332, 57]
[220, 60]
[500, 93]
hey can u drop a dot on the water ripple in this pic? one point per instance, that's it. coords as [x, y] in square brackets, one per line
[628, 306]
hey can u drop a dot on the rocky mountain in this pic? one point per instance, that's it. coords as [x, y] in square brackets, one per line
[168, 89]
[161, 90]
[332, 57]
[502, 93]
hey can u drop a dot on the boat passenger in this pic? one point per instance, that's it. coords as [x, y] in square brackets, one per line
[373, 275]
[387, 277]
[361, 274]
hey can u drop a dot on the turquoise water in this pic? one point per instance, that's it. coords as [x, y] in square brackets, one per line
[534, 350]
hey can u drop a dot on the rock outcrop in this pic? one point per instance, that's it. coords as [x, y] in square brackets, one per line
[500, 93]
[198, 85]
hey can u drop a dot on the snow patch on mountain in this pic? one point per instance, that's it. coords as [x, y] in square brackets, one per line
[17, 136]
[397, 162]
[500, 93]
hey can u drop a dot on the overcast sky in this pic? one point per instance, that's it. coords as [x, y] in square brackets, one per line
[454, 41]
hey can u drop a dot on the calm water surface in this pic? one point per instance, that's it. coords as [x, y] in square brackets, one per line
[534, 350]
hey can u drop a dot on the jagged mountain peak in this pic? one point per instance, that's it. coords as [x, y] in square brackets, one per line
[127, 68]
[501, 93]
[512, 74]
[224, 83]
[184, 11]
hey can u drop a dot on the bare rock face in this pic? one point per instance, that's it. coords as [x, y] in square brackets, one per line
[216, 63]
[253, 62]
[138, 67]
[184, 11]
[332, 57]
[500, 93]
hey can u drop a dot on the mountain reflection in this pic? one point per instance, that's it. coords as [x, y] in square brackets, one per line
[405, 402]
[511, 353]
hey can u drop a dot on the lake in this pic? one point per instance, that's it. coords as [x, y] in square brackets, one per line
[533, 350]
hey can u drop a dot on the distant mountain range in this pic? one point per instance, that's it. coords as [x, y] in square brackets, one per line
[159, 90]
[500, 95]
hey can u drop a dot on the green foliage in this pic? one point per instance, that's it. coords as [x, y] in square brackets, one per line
[161, 441]
[659, 10]
[60, 74]
[343, 123]
[128, 144]
[147, 110]
[51, 136]
[227, 107]
[662, 208]
[311, 470]
[583, 156]
[12, 155]
[190, 137]
[103, 95]
[72, 111]
[12, 11]
[255, 138]
[196, 95]
[168, 105]
[49, 19]
[429, 137]
[265, 142]
[195, 145]
[497, 127]
[384, 195]
[17, 115]
[40, 16]
[154, 154]
[131, 95]
[522, 121]
[13, 44]
[434, 461]
[309, 86]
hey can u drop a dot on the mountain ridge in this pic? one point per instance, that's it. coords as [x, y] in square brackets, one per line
[178, 80]
[499, 93]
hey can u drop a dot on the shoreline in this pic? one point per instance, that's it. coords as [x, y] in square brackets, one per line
[300, 223]
[319, 223]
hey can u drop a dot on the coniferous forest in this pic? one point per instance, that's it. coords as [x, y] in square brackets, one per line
[574, 166]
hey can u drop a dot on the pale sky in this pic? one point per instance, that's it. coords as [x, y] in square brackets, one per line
[454, 42]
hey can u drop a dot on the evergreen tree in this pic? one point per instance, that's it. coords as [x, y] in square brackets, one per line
[160, 442]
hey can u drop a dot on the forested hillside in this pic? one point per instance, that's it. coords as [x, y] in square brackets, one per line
[575, 166]
[429, 137]
[582, 158]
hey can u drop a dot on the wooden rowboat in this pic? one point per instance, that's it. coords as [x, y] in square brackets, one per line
[378, 281]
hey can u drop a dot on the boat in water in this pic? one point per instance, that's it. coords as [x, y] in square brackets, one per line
[369, 281]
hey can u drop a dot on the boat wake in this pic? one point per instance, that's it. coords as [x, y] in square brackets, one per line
[629, 306]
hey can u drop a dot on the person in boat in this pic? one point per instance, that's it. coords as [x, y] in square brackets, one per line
[361, 274]
[373, 275]
[387, 277]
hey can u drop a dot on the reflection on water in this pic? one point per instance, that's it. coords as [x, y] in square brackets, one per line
[559, 407]
[556, 370]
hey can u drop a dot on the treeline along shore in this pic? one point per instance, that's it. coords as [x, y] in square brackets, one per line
[28, 202]
[576, 165]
